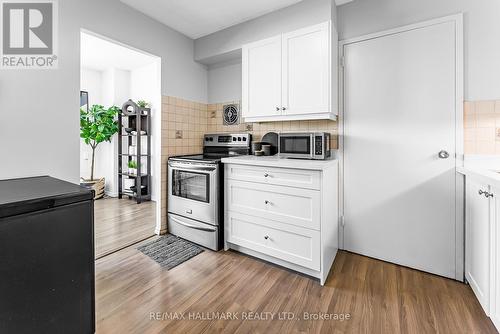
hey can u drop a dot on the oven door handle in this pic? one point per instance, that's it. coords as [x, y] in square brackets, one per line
[207, 229]
[191, 167]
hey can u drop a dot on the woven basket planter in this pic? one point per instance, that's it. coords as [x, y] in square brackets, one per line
[96, 185]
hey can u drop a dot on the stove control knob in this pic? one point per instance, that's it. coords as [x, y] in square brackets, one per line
[234, 138]
[244, 138]
[239, 138]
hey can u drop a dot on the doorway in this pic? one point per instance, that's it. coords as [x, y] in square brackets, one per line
[402, 121]
[111, 74]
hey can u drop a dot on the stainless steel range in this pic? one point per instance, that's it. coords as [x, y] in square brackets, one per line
[195, 189]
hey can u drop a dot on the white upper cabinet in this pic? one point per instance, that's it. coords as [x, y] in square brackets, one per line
[306, 71]
[289, 77]
[262, 78]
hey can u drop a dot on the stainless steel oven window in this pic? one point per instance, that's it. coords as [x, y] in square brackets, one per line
[295, 144]
[191, 185]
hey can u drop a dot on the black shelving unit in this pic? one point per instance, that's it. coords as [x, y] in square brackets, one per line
[137, 118]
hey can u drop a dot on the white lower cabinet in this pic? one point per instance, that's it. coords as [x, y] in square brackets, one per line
[293, 223]
[482, 244]
[477, 241]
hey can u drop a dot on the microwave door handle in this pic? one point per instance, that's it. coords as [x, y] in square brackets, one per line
[313, 151]
[180, 222]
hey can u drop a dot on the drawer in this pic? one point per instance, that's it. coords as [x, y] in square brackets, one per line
[300, 207]
[290, 177]
[289, 243]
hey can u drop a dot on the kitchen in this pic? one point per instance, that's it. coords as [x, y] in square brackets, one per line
[320, 157]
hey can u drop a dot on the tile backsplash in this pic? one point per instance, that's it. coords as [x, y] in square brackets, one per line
[482, 127]
[258, 130]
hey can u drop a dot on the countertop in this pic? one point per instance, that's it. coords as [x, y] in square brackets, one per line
[276, 161]
[486, 175]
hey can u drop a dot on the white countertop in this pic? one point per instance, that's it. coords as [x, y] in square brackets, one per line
[482, 167]
[276, 161]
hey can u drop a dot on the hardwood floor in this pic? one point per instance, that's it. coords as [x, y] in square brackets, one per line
[120, 223]
[379, 297]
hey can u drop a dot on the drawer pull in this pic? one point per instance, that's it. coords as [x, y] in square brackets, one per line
[266, 237]
[266, 175]
[267, 202]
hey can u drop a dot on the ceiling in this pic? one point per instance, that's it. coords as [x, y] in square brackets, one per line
[100, 54]
[197, 18]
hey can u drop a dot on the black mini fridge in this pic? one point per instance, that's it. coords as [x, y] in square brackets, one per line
[46, 257]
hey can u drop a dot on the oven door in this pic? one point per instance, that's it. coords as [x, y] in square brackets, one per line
[296, 145]
[193, 191]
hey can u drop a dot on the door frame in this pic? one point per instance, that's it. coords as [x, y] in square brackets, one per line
[457, 19]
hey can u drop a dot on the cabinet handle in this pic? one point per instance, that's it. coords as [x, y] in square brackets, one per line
[266, 175]
[283, 108]
[266, 237]
[277, 108]
[481, 192]
[267, 202]
[488, 195]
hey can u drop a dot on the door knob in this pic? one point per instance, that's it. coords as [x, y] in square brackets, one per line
[443, 154]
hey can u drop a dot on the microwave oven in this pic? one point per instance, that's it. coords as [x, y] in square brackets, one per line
[305, 145]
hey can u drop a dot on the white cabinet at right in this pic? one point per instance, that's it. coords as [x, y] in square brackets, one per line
[478, 239]
[482, 244]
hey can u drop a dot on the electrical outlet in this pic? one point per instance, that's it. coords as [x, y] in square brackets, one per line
[178, 134]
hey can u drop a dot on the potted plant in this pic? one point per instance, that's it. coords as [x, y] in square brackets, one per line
[132, 167]
[97, 125]
[144, 105]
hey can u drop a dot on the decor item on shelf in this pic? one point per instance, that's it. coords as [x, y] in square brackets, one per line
[231, 114]
[143, 190]
[259, 153]
[97, 125]
[128, 183]
[128, 130]
[132, 167]
[135, 133]
[143, 104]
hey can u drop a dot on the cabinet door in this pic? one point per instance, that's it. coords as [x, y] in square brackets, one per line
[306, 70]
[477, 243]
[495, 242]
[261, 86]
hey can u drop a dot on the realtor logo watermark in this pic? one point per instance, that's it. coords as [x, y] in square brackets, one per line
[28, 34]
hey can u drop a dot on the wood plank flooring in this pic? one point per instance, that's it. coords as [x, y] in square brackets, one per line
[120, 223]
[379, 297]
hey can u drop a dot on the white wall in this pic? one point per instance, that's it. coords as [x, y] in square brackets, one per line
[91, 82]
[49, 99]
[224, 82]
[144, 86]
[482, 32]
[209, 48]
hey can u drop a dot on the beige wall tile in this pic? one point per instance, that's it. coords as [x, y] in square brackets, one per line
[485, 107]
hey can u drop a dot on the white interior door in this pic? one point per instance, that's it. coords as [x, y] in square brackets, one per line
[261, 90]
[306, 70]
[399, 113]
